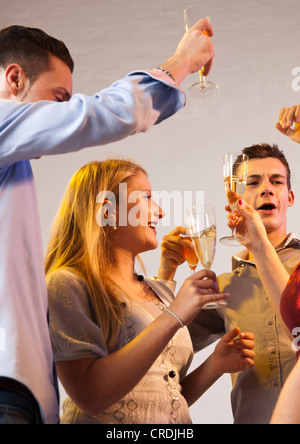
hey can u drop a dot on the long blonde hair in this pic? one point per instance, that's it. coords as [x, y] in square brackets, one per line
[79, 243]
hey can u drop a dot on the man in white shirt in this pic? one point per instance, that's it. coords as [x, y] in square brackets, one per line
[36, 74]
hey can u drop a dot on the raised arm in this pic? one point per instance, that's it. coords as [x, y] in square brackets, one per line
[130, 105]
[271, 271]
[287, 410]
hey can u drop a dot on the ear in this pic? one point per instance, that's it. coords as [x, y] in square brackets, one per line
[106, 214]
[15, 79]
[291, 199]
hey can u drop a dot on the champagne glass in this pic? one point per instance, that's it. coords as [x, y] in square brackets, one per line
[190, 256]
[235, 168]
[202, 223]
[202, 89]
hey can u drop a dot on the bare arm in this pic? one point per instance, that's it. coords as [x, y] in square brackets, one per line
[274, 277]
[272, 273]
[287, 410]
[94, 384]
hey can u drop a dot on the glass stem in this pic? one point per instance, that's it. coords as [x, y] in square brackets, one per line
[202, 78]
[234, 228]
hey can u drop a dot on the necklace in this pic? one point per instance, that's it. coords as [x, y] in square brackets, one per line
[148, 290]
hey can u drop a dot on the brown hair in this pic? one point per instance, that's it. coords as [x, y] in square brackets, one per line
[30, 48]
[263, 151]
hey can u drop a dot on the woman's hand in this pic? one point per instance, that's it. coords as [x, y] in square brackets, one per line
[172, 253]
[197, 291]
[248, 224]
[235, 352]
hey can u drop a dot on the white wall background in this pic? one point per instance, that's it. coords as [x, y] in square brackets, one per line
[257, 47]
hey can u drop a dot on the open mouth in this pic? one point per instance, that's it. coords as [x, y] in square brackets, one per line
[152, 225]
[267, 207]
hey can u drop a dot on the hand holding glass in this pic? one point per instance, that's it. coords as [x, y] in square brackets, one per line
[202, 225]
[202, 89]
[235, 168]
[190, 255]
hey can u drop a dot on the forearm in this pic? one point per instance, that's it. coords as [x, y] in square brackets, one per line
[129, 106]
[166, 273]
[178, 68]
[107, 380]
[287, 410]
[200, 380]
[273, 275]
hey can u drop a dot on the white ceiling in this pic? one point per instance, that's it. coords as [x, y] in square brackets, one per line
[257, 47]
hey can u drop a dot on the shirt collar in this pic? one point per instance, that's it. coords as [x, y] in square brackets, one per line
[243, 256]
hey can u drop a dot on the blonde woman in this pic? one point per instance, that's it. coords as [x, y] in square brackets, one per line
[120, 341]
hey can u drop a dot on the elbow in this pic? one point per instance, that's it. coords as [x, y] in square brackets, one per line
[95, 405]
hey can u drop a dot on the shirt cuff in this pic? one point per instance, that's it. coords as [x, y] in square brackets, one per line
[162, 76]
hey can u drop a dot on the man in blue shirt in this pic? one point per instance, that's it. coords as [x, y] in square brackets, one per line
[39, 116]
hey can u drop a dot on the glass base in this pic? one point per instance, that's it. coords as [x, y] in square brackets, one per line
[203, 90]
[232, 241]
[214, 305]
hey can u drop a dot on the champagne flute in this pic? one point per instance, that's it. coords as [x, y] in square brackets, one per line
[235, 168]
[202, 89]
[202, 223]
[190, 256]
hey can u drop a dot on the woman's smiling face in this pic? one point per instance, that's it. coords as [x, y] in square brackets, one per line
[142, 213]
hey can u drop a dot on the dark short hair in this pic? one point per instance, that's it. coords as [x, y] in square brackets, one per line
[263, 151]
[30, 48]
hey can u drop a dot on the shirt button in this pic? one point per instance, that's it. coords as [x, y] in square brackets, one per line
[275, 384]
[270, 323]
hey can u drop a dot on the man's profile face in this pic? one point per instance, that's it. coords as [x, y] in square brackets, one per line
[267, 192]
[56, 84]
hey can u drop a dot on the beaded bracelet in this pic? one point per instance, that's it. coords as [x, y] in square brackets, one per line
[160, 68]
[176, 317]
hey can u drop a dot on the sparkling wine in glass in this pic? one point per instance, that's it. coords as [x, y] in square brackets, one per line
[190, 255]
[202, 89]
[235, 168]
[202, 225]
